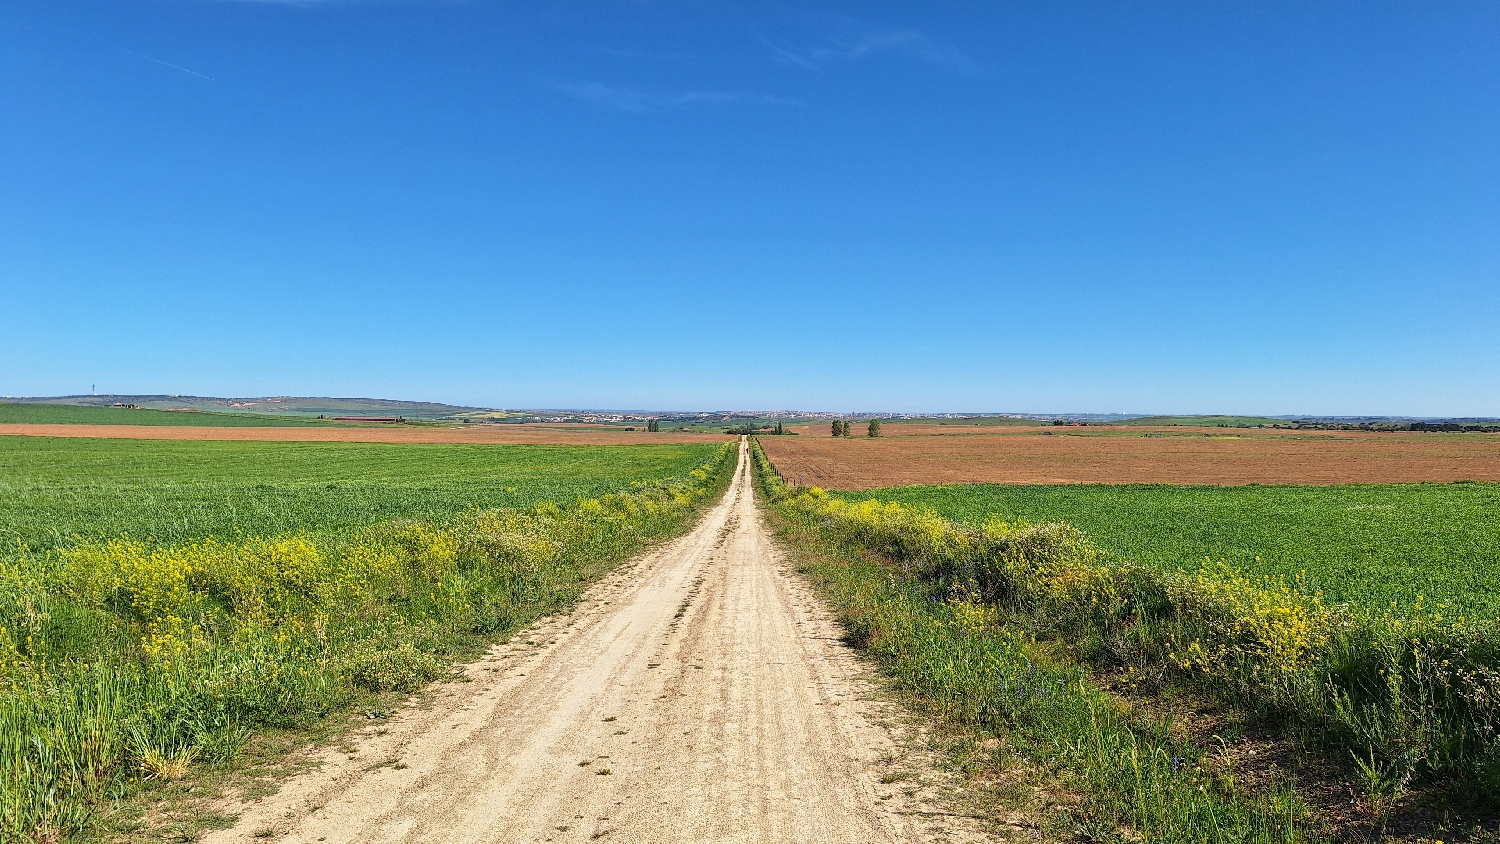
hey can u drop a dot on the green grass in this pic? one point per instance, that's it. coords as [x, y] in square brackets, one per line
[1368, 545]
[337, 572]
[54, 491]
[17, 413]
[992, 682]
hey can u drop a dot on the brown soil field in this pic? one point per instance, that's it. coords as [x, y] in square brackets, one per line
[1134, 456]
[500, 434]
[921, 429]
[899, 430]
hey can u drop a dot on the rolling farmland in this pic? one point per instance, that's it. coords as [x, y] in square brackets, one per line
[1109, 451]
[178, 596]
[1348, 623]
[958, 455]
[538, 434]
[161, 602]
[53, 491]
[28, 413]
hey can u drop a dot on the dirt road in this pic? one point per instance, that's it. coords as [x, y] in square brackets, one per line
[698, 694]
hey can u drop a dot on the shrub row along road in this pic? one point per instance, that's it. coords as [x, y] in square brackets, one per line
[698, 694]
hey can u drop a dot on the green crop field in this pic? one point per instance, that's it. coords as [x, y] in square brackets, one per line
[162, 601]
[1368, 545]
[165, 491]
[15, 413]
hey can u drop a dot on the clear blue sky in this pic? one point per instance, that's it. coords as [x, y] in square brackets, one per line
[1042, 206]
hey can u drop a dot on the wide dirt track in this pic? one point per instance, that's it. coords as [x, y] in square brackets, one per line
[952, 455]
[700, 693]
[498, 434]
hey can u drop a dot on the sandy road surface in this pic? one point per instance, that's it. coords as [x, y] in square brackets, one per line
[699, 694]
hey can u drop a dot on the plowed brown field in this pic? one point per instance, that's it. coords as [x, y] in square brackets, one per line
[1131, 456]
[922, 429]
[520, 434]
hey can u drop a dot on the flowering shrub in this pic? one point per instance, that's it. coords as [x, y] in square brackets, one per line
[402, 668]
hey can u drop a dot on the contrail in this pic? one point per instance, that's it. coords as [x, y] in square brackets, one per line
[169, 64]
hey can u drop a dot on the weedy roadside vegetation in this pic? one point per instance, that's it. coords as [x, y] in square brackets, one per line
[955, 654]
[1010, 626]
[121, 661]
[1429, 548]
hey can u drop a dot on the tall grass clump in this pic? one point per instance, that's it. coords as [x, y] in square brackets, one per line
[121, 662]
[1397, 700]
[950, 647]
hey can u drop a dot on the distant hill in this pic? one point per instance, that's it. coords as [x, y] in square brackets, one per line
[38, 413]
[292, 406]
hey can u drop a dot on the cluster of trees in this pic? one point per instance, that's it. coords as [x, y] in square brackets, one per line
[1456, 427]
[841, 428]
[751, 428]
[653, 426]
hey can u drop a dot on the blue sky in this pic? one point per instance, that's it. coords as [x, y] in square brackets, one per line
[1044, 206]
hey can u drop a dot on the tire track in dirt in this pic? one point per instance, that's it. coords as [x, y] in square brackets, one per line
[699, 693]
